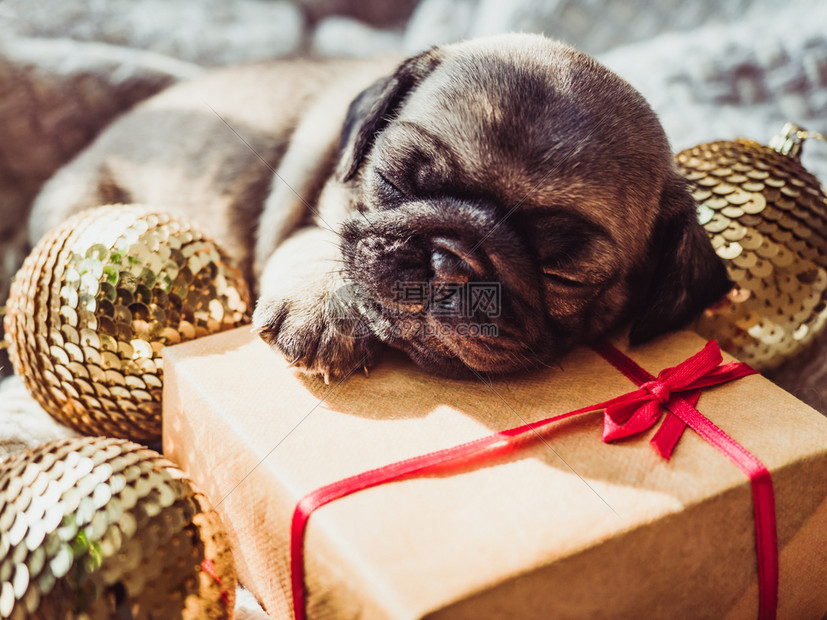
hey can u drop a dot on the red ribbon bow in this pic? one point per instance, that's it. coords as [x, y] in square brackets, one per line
[636, 412]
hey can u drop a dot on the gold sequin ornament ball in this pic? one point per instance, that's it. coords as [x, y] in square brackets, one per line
[98, 299]
[767, 218]
[104, 528]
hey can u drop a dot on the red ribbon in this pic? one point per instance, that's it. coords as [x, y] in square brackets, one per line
[675, 389]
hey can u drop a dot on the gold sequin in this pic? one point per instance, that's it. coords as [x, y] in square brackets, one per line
[109, 288]
[769, 223]
[71, 546]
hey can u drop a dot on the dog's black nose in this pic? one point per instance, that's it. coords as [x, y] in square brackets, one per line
[452, 261]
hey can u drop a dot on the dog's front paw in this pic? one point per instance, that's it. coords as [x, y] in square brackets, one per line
[320, 334]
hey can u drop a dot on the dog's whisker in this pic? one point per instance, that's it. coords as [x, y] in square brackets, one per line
[367, 221]
[537, 360]
[336, 243]
[329, 229]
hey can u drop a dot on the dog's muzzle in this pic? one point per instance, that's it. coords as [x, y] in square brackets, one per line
[447, 281]
[439, 244]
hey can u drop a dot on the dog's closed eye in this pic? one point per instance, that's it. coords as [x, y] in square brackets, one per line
[389, 190]
[384, 179]
[564, 279]
[576, 255]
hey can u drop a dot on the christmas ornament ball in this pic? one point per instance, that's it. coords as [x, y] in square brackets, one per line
[104, 528]
[97, 300]
[767, 219]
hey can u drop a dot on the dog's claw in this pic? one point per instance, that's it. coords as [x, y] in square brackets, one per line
[327, 377]
[367, 374]
[257, 330]
[294, 362]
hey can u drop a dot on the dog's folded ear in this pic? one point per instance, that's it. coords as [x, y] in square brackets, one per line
[375, 106]
[688, 276]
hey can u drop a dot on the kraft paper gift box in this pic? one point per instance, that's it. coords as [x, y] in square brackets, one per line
[569, 527]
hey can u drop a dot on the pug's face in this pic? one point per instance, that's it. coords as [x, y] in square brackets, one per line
[512, 199]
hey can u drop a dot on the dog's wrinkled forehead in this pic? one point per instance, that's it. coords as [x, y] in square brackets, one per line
[530, 117]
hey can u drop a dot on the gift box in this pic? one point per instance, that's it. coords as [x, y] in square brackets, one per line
[563, 526]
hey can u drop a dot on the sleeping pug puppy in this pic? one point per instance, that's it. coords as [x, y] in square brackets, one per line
[484, 206]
